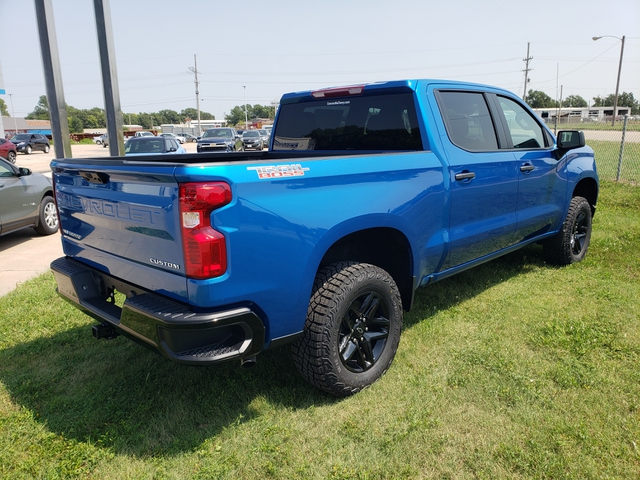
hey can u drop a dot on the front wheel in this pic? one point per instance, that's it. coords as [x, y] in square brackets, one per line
[571, 244]
[46, 149]
[28, 150]
[352, 329]
[11, 157]
[48, 223]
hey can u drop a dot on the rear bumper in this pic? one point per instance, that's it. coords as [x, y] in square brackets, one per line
[163, 324]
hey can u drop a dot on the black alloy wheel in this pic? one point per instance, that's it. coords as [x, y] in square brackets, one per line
[364, 331]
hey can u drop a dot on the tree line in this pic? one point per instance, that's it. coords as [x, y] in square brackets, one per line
[538, 99]
[95, 118]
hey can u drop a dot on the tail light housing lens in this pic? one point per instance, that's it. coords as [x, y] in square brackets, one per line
[205, 249]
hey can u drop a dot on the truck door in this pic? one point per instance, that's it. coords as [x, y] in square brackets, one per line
[541, 190]
[483, 179]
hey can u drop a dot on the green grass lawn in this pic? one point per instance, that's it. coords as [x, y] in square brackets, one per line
[514, 369]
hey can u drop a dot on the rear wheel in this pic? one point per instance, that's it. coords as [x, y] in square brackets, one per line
[352, 330]
[46, 149]
[48, 223]
[571, 244]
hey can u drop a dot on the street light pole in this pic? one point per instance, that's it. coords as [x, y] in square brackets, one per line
[615, 100]
[13, 112]
[246, 119]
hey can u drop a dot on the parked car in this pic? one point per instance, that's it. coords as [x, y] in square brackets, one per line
[152, 146]
[252, 140]
[266, 134]
[8, 150]
[26, 200]
[144, 134]
[98, 140]
[219, 139]
[174, 136]
[188, 137]
[28, 142]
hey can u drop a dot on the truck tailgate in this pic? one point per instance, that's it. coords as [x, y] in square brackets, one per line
[123, 218]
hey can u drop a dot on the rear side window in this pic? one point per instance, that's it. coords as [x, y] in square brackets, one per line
[365, 122]
[524, 129]
[468, 122]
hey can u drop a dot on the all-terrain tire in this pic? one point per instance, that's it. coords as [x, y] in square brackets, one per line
[571, 243]
[352, 329]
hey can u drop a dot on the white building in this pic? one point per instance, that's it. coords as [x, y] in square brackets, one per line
[580, 114]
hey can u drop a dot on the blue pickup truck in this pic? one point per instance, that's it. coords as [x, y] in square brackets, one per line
[366, 193]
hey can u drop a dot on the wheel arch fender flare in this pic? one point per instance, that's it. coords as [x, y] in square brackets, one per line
[379, 239]
[587, 187]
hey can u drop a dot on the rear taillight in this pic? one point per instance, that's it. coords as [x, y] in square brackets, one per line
[205, 250]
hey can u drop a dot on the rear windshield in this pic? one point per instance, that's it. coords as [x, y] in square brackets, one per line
[375, 122]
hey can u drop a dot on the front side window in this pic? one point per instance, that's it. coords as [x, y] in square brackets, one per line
[468, 121]
[524, 130]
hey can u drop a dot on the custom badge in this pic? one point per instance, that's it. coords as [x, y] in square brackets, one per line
[279, 171]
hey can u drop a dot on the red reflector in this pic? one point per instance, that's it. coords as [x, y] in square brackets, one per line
[205, 250]
[338, 92]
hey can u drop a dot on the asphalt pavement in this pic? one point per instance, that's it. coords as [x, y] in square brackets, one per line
[25, 254]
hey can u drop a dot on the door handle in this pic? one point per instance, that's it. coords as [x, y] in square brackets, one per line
[465, 176]
[526, 168]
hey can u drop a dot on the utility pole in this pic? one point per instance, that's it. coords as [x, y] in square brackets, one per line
[194, 70]
[246, 119]
[526, 72]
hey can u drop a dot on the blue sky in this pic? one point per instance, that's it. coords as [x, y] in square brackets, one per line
[277, 46]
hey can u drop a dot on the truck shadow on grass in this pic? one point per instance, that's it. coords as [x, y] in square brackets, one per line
[117, 395]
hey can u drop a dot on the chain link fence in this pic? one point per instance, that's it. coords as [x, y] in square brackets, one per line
[617, 152]
[617, 148]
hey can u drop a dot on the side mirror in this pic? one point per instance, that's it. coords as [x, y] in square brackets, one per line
[23, 172]
[568, 139]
